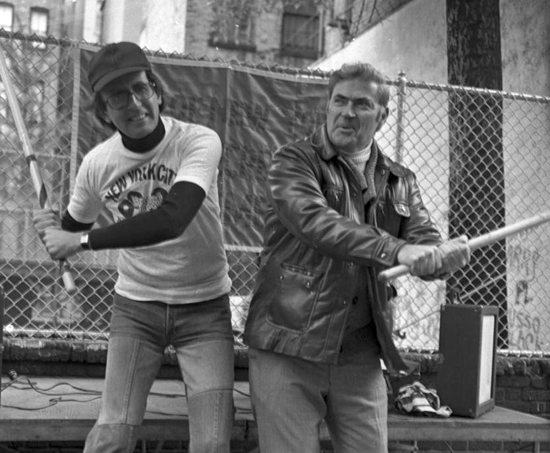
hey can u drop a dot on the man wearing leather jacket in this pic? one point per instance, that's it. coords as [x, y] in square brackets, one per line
[340, 212]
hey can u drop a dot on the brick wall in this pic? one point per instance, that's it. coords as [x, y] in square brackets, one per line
[524, 385]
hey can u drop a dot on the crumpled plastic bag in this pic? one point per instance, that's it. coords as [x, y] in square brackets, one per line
[416, 399]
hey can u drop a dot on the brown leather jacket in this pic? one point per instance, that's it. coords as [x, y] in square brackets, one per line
[326, 224]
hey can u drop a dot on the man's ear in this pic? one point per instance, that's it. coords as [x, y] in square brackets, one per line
[383, 117]
[106, 118]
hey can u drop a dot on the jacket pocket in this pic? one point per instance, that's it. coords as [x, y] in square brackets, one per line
[391, 214]
[294, 299]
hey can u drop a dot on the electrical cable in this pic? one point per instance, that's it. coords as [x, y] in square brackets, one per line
[33, 385]
[23, 383]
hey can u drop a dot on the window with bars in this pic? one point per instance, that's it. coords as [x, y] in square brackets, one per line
[6, 16]
[300, 36]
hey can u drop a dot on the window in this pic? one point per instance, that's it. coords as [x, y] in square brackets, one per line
[233, 25]
[301, 32]
[6, 16]
[39, 21]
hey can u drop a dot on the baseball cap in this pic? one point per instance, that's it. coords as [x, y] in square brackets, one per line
[115, 60]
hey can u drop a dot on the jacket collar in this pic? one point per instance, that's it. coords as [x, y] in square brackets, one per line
[322, 144]
[327, 151]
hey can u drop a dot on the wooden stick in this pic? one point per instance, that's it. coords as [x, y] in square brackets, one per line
[32, 163]
[476, 243]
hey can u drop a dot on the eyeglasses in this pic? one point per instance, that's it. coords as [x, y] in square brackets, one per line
[141, 91]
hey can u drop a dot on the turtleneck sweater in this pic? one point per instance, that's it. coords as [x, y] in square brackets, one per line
[147, 143]
[359, 158]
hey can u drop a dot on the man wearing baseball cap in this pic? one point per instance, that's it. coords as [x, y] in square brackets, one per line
[155, 180]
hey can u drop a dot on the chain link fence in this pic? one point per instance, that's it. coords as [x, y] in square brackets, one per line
[481, 158]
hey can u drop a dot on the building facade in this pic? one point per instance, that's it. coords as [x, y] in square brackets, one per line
[284, 32]
[41, 17]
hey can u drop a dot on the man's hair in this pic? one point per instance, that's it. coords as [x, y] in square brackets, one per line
[100, 106]
[364, 72]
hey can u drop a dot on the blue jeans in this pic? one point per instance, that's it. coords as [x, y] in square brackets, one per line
[291, 396]
[202, 336]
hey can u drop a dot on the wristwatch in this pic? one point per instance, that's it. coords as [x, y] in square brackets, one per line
[85, 242]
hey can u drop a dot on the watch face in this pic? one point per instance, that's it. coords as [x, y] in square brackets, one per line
[84, 242]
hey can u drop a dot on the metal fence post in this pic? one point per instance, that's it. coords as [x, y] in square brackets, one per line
[400, 127]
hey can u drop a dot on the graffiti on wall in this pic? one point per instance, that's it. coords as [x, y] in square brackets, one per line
[524, 308]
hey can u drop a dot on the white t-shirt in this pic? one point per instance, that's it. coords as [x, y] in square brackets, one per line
[120, 183]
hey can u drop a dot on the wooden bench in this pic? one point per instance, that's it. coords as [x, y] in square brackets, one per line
[57, 409]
